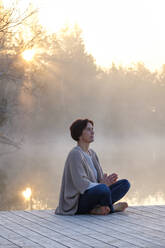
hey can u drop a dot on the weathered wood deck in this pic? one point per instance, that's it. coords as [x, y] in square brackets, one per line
[142, 226]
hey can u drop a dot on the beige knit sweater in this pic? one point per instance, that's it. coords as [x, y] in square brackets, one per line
[76, 178]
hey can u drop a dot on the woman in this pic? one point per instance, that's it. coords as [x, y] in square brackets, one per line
[85, 189]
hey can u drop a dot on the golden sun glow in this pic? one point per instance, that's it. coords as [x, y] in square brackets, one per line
[28, 55]
[123, 32]
[27, 193]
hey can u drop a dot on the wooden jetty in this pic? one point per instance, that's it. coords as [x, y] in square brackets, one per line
[139, 226]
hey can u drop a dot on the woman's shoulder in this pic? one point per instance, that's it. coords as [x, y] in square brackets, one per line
[75, 152]
[74, 157]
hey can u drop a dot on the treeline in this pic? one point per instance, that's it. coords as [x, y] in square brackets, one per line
[123, 101]
[63, 82]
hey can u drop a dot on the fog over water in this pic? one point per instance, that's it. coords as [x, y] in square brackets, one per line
[39, 165]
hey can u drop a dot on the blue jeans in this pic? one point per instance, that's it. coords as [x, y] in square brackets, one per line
[102, 195]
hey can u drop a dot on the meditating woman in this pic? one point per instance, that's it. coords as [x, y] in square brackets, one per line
[85, 189]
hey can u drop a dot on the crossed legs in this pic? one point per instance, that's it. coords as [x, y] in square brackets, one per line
[100, 199]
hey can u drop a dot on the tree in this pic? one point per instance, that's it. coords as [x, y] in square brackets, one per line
[13, 42]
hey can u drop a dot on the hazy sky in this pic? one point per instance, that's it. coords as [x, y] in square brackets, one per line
[120, 31]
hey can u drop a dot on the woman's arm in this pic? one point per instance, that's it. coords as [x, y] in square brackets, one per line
[78, 172]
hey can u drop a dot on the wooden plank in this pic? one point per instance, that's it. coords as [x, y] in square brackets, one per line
[121, 220]
[151, 212]
[157, 211]
[75, 232]
[137, 227]
[144, 233]
[6, 243]
[150, 217]
[115, 231]
[140, 219]
[9, 246]
[78, 223]
[22, 236]
[131, 230]
[48, 232]
[127, 233]
[15, 239]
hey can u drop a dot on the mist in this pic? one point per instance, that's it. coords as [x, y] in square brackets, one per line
[40, 165]
[39, 101]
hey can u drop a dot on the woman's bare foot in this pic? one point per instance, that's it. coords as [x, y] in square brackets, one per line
[120, 207]
[101, 210]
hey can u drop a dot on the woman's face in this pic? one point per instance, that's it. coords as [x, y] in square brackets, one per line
[87, 134]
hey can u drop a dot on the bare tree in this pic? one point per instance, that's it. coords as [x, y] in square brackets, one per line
[12, 72]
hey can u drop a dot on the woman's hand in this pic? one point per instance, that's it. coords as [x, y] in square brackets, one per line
[109, 180]
[112, 178]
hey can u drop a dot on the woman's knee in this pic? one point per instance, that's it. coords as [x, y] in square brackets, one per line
[126, 184]
[103, 190]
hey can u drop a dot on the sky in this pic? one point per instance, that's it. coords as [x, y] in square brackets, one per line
[120, 31]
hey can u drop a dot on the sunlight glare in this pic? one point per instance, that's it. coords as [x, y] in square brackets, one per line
[27, 193]
[123, 32]
[28, 55]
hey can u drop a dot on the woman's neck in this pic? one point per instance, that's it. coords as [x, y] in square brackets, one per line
[84, 146]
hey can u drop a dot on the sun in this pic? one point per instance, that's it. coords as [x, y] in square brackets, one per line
[28, 54]
[27, 193]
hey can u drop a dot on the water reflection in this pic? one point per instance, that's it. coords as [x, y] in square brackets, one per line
[141, 161]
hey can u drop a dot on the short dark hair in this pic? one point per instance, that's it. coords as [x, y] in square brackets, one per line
[78, 126]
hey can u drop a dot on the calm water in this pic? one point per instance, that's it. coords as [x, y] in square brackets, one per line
[40, 166]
